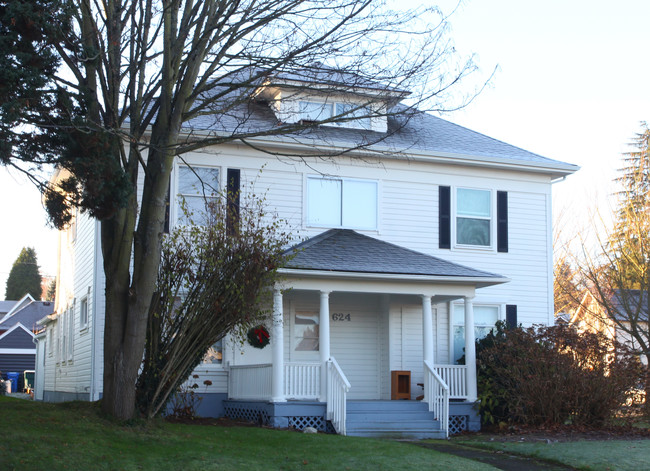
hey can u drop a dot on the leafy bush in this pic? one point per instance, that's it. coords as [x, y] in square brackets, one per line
[552, 375]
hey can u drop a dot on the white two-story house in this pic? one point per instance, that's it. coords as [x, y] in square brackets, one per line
[409, 249]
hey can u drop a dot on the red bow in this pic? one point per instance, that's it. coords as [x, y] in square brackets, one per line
[260, 333]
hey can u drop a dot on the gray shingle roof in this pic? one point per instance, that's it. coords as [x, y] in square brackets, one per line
[344, 250]
[28, 316]
[624, 301]
[415, 132]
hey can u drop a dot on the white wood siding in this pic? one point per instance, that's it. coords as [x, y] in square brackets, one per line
[384, 336]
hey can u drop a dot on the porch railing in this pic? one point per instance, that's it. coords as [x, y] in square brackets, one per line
[436, 394]
[455, 377]
[302, 380]
[254, 382]
[251, 382]
[337, 390]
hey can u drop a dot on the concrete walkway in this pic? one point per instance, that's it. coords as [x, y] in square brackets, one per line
[500, 460]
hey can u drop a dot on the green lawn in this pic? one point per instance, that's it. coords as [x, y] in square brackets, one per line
[597, 455]
[37, 436]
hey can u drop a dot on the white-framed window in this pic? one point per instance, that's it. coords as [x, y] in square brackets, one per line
[485, 317]
[342, 202]
[361, 115]
[60, 338]
[214, 355]
[196, 186]
[50, 340]
[315, 110]
[70, 315]
[353, 115]
[83, 313]
[474, 215]
[305, 332]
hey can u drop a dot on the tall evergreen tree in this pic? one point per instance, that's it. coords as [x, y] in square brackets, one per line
[619, 276]
[24, 277]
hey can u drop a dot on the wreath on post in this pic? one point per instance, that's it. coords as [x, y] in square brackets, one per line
[258, 336]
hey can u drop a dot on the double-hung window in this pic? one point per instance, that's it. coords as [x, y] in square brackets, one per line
[345, 203]
[306, 331]
[83, 313]
[359, 117]
[315, 110]
[473, 217]
[485, 317]
[197, 186]
[352, 115]
[214, 355]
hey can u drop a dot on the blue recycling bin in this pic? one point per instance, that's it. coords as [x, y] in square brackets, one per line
[13, 378]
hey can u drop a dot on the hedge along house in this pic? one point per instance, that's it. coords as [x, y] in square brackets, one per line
[406, 250]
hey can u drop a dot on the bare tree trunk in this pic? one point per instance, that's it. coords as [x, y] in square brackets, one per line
[646, 404]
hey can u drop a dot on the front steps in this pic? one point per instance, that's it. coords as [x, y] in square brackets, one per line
[392, 419]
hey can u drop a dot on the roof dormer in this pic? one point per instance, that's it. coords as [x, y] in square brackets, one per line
[329, 97]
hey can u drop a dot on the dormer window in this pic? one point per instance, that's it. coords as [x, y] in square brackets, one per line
[315, 111]
[353, 115]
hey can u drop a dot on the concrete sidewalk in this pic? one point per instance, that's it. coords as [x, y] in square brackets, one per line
[498, 459]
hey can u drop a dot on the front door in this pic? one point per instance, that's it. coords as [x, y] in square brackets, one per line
[354, 333]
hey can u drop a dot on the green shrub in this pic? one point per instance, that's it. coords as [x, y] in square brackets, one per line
[552, 375]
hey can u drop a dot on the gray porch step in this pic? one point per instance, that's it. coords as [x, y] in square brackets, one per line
[391, 419]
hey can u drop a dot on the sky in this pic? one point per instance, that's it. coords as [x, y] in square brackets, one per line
[571, 84]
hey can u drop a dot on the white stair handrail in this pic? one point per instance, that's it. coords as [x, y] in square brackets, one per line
[337, 389]
[436, 394]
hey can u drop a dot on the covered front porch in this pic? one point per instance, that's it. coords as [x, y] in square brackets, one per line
[343, 338]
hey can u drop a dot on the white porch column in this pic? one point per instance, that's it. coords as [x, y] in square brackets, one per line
[324, 341]
[470, 350]
[427, 329]
[277, 340]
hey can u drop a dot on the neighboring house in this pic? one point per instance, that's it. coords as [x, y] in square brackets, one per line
[592, 317]
[17, 330]
[5, 307]
[12, 306]
[439, 229]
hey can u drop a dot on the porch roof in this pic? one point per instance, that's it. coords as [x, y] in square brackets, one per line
[344, 250]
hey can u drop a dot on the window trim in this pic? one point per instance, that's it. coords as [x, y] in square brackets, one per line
[454, 220]
[83, 326]
[175, 207]
[309, 224]
[71, 330]
[301, 355]
[352, 122]
[452, 306]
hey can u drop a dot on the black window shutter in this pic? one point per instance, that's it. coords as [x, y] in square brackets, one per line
[444, 217]
[167, 201]
[511, 316]
[502, 221]
[232, 216]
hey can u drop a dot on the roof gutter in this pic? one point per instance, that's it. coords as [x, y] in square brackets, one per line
[468, 280]
[555, 169]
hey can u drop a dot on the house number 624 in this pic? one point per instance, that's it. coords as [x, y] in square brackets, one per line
[339, 316]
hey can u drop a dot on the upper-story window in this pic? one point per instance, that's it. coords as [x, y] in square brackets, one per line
[473, 217]
[341, 202]
[353, 116]
[196, 186]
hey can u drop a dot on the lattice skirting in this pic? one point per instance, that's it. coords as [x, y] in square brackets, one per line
[301, 422]
[249, 413]
[457, 424]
